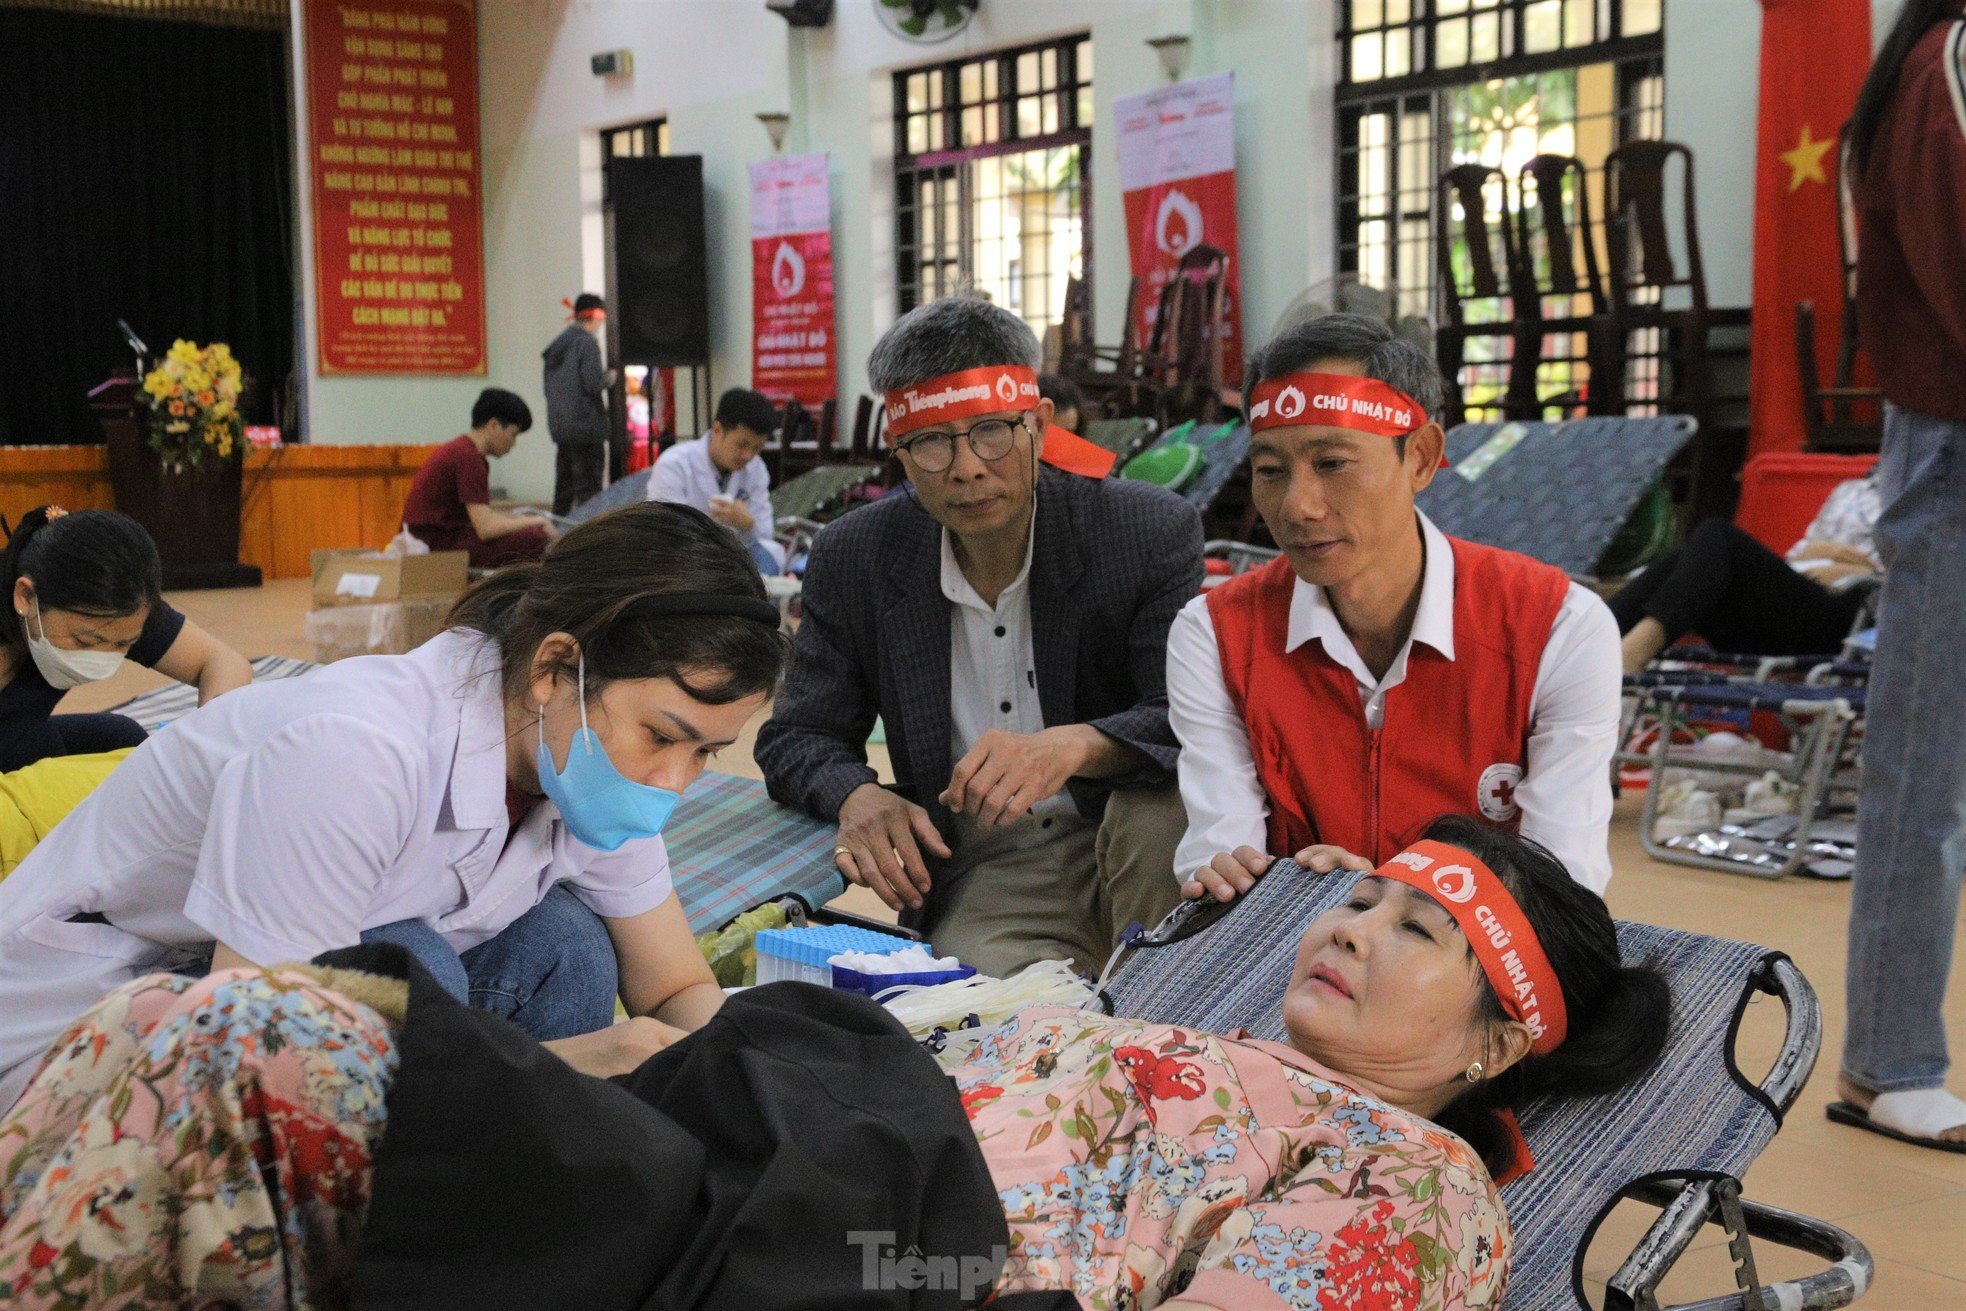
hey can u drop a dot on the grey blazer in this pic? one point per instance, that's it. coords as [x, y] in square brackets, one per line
[1113, 563]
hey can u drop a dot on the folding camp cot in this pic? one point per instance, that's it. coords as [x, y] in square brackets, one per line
[1125, 438]
[1680, 1138]
[1819, 720]
[174, 701]
[1218, 450]
[1558, 492]
[732, 847]
[1820, 700]
[631, 490]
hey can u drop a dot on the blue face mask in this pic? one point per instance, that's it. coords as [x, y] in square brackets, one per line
[601, 807]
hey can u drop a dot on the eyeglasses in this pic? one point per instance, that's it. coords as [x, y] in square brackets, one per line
[991, 440]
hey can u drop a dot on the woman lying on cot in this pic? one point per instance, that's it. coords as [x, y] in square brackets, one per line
[227, 1138]
[490, 802]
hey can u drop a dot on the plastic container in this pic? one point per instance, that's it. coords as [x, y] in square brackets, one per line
[802, 954]
[1781, 491]
[386, 628]
[873, 985]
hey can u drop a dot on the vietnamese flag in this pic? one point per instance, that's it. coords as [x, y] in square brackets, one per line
[1814, 54]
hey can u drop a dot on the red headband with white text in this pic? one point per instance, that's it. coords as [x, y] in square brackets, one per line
[990, 390]
[1508, 949]
[1334, 400]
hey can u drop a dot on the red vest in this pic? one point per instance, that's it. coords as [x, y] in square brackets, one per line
[1456, 732]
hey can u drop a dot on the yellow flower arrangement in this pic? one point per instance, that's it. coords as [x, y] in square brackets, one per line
[193, 399]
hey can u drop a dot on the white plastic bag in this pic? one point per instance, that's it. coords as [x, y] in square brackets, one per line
[402, 544]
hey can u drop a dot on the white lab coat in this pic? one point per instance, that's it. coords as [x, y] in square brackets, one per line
[686, 475]
[283, 820]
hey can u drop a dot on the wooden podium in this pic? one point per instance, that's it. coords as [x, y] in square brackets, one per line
[193, 514]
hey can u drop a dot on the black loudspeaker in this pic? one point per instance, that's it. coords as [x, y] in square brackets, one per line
[803, 13]
[661, 288]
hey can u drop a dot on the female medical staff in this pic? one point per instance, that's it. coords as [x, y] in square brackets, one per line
[490, 801]
[85, 596]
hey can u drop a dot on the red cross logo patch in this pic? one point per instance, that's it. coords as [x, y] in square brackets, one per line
[1495, 793]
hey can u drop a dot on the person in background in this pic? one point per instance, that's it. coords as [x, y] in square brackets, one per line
[1378, 673]
[1739, 595]
[1907, 140]
[1066, 404]
[86, 592]
[722, 474]
[449, 505]
[577, 404]
[1007, 621]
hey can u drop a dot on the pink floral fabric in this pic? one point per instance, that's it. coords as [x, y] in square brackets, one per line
[1139, 1161]
[196, 1143]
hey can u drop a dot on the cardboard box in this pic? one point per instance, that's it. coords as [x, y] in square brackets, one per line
[366, 578]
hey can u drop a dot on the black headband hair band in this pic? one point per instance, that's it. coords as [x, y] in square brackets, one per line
[667, 604]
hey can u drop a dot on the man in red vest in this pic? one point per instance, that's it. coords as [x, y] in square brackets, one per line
[1379, 674]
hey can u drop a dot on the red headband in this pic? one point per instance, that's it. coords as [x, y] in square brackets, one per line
[990, 390]
[1336, 400]
[1509, 952]
[582, 314]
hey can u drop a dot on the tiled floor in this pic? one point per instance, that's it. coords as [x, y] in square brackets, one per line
[1906, 1204]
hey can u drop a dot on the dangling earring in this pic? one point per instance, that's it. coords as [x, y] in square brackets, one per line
[1474, 1073]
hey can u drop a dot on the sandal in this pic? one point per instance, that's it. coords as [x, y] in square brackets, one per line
[1917, 1116]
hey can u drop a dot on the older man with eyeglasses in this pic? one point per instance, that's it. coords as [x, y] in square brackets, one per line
[1007, 619]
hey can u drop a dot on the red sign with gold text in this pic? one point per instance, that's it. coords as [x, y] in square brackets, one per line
[392, 114]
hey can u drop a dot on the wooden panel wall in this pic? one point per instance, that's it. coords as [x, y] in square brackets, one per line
[296, 498]
[73, 477]
[303, 498]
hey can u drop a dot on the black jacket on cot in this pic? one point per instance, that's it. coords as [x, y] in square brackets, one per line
[724, 1174]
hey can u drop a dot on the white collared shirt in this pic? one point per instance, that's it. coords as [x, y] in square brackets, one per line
[993, 670]
[686, 475]
[285, 819]
[1565, 794]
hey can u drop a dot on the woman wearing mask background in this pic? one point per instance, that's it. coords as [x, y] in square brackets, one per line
[86, 594]
[489, 801]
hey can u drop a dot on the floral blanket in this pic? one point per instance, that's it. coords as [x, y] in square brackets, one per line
[1137, 1161]
[195, 1143]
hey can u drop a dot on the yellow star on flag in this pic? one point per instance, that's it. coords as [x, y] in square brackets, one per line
[1806, 160]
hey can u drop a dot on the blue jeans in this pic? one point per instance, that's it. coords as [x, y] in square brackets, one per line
[1911, 814]
[551, 972]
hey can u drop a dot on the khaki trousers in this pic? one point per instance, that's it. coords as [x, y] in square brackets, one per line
[1061, 887]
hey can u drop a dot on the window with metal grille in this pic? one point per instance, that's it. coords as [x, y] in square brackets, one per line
[991, 185]
[1431, 84]
[636, 141]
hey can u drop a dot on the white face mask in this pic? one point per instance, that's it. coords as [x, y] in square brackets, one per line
[64, 668]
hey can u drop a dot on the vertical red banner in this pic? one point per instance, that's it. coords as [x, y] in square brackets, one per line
[792, 348]
[1177, 152]
[1814, 55]
[392, 126]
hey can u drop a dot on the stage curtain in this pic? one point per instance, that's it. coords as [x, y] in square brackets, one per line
[270, 15]
[145, 168]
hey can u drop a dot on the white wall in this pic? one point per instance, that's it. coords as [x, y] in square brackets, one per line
[710, 66]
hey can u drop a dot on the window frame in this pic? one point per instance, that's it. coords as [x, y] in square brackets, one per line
[1428, 91]
[947, 153]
